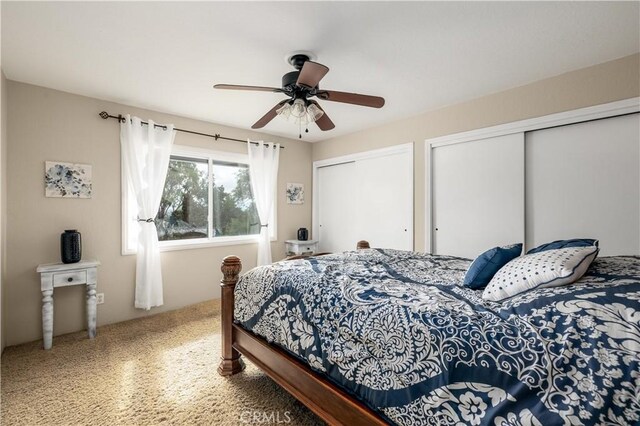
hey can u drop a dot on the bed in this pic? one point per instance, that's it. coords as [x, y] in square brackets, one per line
[377, 336]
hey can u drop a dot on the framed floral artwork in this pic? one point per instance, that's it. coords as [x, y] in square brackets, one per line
[295, 193]
[67, 180]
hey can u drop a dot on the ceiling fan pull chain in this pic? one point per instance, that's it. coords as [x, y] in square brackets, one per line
[300, 129]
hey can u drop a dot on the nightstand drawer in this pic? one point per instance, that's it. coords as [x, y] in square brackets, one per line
[307, 248]
[69, 278]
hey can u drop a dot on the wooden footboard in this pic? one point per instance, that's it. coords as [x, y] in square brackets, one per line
[325, 399]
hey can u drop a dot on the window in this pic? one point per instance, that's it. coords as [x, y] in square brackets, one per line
[206, 201]
[184, 208]
[234, 211]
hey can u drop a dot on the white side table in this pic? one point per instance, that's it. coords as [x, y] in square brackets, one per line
[54, 275]
[299, 247]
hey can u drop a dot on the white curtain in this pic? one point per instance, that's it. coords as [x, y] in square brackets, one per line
[145, 152]
[263, 172]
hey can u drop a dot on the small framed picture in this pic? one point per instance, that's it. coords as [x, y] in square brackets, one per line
[295, 193]
[67, 180]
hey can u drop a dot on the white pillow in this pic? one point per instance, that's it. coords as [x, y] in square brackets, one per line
[549, 268]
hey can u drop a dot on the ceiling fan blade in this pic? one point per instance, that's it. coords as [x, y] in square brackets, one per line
[256, 88]
[311, 74]
[268, 116]
[351, 98]
[324, 122]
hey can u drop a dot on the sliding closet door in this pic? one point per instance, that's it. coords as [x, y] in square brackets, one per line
[583, 181]
[369, 198]
[336, 207]
[477, 195]
[384, 200]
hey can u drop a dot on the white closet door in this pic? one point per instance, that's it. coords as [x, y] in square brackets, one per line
[478, 195]
[384, 200]
[336, 207]
[583, 181]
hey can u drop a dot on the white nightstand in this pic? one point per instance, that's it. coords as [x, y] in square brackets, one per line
[297, 247]
[54, 275]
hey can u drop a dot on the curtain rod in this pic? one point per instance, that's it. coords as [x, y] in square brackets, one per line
[105, 115]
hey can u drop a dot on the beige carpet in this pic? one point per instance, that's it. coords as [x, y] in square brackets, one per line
[158, 370]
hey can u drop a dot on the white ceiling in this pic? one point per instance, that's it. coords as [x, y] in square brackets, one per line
[420, 56]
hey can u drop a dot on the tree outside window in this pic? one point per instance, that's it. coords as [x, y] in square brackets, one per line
[206, 199]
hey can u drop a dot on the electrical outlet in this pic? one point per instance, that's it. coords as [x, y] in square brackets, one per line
[99, 298]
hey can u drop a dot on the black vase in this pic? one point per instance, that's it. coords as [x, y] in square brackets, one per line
[70, 246]
[303, 234]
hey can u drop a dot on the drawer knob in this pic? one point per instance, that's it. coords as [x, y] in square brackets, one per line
[70, 279]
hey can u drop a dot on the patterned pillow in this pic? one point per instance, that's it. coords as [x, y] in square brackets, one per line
[576, 242]
[548, 268]
[488, 263]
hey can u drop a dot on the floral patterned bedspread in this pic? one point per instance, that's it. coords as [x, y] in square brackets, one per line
[397, 330]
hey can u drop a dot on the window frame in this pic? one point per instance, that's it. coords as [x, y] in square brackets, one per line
[211, 156]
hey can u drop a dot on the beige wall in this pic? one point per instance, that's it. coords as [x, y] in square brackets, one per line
[3, 204]
[50, 125]
[46, 124]
[599, 84]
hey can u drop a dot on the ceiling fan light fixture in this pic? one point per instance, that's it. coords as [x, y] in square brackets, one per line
[298, 112]
[298, 109]
[314, 112]
[285, 111]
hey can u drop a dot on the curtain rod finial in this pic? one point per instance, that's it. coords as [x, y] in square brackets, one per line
[104, 115]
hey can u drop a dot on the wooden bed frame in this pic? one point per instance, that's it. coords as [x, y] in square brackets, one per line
[328, 401]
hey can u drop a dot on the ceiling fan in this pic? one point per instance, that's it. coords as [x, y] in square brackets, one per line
[300, 86]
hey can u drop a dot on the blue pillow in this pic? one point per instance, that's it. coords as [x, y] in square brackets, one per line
[488, 263]
[576, 242]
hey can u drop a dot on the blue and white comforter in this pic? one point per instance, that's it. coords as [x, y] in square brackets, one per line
[398, 331]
